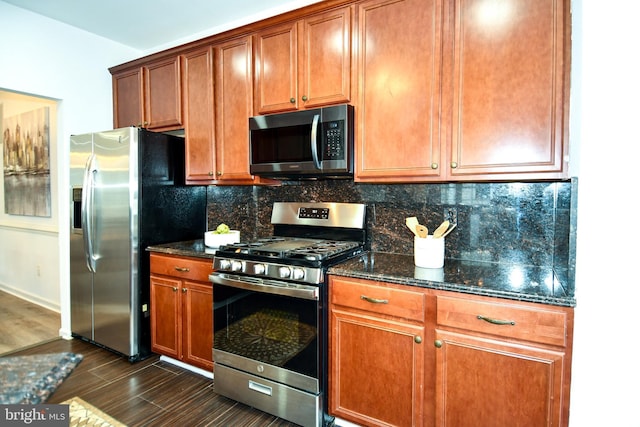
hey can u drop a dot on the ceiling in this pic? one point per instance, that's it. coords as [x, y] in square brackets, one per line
[148, 24]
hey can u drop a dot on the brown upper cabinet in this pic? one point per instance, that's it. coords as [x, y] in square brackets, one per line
[398, 110]
[163, 94]
[478, 91]
[234, 106]
[128, 98]
[218, 95]
[305, 63]
[444, 90]
[149, 96]
[509, 89]
[199, 116]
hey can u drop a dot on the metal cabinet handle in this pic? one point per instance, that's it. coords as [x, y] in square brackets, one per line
[182, 269]
[417, 339]
[304, 98]
[496, 321]
[434, 165]
[374, 300]
[184, 290]
[437, 343]
[317, 161]
[174, 289]
[292, 100]
[454, 165]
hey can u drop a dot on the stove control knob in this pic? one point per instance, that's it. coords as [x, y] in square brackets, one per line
[236, 266]
[259, 269]
[284, 272]
[298, 274]
[225, 264]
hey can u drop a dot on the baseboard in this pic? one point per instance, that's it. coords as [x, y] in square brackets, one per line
[187, 366]
[342, 423]
[49, 305]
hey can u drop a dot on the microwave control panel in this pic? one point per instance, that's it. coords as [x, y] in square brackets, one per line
[334, 140]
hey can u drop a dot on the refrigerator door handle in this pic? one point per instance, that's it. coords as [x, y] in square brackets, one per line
[87, 212]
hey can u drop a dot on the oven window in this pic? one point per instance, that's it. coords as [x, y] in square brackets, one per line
[277, 330]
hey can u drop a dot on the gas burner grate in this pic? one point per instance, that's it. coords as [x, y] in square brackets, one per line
[291, 248]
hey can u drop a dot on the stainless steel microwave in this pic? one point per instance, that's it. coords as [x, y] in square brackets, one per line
[306, 144]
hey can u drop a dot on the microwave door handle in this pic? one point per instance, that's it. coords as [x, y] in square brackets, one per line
[314, 141]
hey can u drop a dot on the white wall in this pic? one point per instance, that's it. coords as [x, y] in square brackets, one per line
[605, 120]
[43, 57]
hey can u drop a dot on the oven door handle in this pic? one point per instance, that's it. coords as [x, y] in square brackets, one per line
[267, 286]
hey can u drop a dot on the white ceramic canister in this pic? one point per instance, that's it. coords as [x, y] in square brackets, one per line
[428, 252]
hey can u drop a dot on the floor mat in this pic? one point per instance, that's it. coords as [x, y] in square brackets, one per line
[32, 379]
[83, 414]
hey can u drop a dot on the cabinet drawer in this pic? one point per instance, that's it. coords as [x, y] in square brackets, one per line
[182, 267]
[540, 325]
[371, 297]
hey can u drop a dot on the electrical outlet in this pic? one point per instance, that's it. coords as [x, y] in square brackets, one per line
[451, 214]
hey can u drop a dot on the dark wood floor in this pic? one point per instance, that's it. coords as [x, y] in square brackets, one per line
[147, 393]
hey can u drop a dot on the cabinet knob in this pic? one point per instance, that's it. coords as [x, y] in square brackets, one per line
[437, 343]
[219, 173]
[184, 290]
[434, 165]
[210, 173]
[417, 339]
[292, 100]
[174, 289]
[304, 98]
[454, 165]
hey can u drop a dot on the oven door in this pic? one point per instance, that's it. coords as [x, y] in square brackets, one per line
[268, 328]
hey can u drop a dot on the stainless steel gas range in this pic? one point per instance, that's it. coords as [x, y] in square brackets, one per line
[270, 301]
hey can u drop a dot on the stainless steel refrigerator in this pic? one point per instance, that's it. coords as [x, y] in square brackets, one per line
[127, 192]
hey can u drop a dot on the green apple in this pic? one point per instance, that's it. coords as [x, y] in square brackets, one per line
[222, 229]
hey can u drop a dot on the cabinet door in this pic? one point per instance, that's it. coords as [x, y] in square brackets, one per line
[276, 70]
[128, 106]
[163, 94]
[398, 114]
[376, 370]
[199, 116]
[509, 93]
[325, 61]
[234, 100]
[197, 300]
[485, 382]
[166, 312]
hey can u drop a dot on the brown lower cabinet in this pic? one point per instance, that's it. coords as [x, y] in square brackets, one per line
[410, 356]
[376, 353]
[182, 309]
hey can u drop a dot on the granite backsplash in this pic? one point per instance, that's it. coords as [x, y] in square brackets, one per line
[523, 223]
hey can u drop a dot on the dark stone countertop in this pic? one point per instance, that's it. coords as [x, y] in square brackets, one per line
[516, 282]
[191, 248]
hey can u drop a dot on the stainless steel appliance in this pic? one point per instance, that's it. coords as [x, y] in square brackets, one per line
[270, 302]
[305, 144]
[126, 194]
